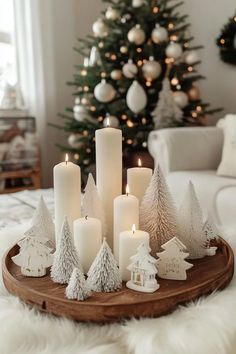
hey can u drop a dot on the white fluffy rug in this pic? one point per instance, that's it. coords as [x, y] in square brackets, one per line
[207, 326]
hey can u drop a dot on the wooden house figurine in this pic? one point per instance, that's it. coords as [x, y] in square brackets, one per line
[171, 263]
[143, 271]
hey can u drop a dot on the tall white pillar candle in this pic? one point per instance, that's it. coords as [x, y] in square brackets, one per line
[88, 240]
[67, 191]
[126, 214]
[138, 179]
[109, 171]
[128, 244]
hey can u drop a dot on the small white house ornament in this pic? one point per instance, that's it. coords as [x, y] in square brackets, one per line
[171, 263]
[143, 271]
[34, 257]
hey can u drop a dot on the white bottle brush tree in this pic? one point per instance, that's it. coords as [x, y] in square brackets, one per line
[92, 205]
[166, 113]
[77, 288]
[103, 274]
[34, 256]
[158, 213]
[66, 257]
[191, 225]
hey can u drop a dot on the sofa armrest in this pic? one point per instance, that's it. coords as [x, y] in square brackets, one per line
[190, 148]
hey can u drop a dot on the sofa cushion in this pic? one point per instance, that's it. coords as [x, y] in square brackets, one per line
[207, 185]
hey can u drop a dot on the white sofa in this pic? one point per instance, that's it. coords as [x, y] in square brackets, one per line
[194, 154]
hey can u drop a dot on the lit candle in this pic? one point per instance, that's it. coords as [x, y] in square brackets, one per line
[138, 180]
[67, 190]
[109, 171]
[88, 240]
[126, 213]
[128, 244]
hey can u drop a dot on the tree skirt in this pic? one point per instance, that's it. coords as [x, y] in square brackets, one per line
[206, 326]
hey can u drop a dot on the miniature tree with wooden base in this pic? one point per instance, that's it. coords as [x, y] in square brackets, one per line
[191, 225]
[212, 233]
[103, 274]
[77, 288]
[158, 213]
[34, 256]
[143, 270]
[92, 205]
[65, 258]
[171, 263]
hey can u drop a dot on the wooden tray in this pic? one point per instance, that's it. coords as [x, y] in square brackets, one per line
[208, 274]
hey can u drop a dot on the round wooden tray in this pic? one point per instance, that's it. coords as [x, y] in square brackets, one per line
[208, 274]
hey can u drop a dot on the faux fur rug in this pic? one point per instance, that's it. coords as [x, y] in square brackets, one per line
[207, 326]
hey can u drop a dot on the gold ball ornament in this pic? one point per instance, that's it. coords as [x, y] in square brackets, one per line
[130, 70]
[116, 74]
[136, 35]
[159, 34]
[181, 99]
[111, 14]
[174, 50]
[100, 29]
[104, 92]
[123, 49]
[74, 140]
[151, 69]
[194, 93]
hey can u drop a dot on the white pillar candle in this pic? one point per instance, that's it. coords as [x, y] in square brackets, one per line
[126, 214]
[109, 171]
[128, 244]
[88, 240]
[67, 190]
[138, 179]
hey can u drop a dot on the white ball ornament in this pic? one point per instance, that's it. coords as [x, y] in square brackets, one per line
[123, 49]
[151, 69]
[192, 57]
[137, 3]
[80, 112]
[116, 74]
[159, 34]
[74, 142]
[111, 121]
[111, 14]
[130, 69]
[174, 50]
[136, 35]
[181, 99]
[104, 92]
[136, 97]
[100, 29]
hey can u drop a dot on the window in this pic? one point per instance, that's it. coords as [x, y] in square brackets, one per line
[8, 66]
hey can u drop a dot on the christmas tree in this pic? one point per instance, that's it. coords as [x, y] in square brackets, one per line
[134, 46]
[227, 41]
[103, 274]
[158, 213]
[77, 288]
[65, 258]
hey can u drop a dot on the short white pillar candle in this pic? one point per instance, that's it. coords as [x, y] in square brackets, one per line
[88, 240]
[138, 179]
[126, 214]
[128, 244]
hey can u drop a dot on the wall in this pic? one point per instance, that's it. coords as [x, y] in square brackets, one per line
[207, 18]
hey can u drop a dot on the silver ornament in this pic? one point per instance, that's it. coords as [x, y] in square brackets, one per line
[111, 14]
[80, 113]
[174, 50]
[111, 121]
[130, 69]
[74, 140]
[100, 29]
[116, 74]
[159, 34]
[136, 97]
[136, 35]
[192, 57]
[151, 69]
[104, 92]
[181, 99]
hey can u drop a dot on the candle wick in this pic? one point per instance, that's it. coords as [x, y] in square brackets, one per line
[66, 162]
[86, 217]
[127, 194]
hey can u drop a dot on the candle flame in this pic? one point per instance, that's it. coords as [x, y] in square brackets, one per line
[108, 122]
[133, 228]
[127, 190]
[139, 163]
[66, 158]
